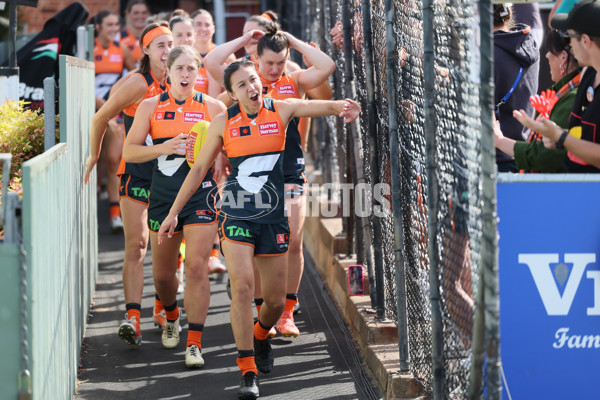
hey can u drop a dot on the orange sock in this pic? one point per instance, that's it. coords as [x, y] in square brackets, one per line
[114, 210]
[214, 252]
[260, 332]
[258, 306]
[158, 306]
[289, 305]
[247, 364]
[133, 313]
[173, 314]
[194, 337]
[180, 261]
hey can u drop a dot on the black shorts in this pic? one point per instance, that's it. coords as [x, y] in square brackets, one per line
[295, 186]
[135, 188]
[267, 239]
[194, 213]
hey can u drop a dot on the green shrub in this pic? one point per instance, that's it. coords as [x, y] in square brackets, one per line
[22, 135]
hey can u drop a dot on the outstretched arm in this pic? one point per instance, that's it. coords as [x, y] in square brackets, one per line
[290, 108]
[208, 153]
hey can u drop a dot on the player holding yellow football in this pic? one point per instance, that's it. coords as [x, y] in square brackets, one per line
[168, 118]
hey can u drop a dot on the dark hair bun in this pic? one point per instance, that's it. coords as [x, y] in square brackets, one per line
[271, 28]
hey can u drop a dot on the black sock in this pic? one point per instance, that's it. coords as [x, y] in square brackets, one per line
[292, 296]
[133, 306]
[245, 353]
[195, 327]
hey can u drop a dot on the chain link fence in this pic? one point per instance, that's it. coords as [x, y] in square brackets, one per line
[440, 281]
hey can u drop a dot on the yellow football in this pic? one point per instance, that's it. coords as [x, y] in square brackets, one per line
[195, 141]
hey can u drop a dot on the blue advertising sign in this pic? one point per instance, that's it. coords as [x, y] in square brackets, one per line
[549, 262]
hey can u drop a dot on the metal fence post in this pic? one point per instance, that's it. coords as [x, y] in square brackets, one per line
[370, 137]
[488, 307]
[350, 167]
[81, 50]
[9, 201]
[396, 169]
[432, 201]
[50, 112]
[90, 42]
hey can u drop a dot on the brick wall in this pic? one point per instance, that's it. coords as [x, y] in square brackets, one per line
[35, 18]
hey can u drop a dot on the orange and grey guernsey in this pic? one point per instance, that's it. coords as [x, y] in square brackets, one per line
[286, 88]
[132, 43]
[254, 145]
[153, 87]
[170, 118]
[109, 63]
[202, 79]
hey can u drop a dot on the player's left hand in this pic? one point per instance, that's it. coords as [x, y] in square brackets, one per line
[350, 111]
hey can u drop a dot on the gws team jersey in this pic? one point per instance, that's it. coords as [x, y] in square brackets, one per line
[153, 88]
[255, 145]
[109, 67]
[286, 88]
[132, 43]
[171, 118]
[202, 79]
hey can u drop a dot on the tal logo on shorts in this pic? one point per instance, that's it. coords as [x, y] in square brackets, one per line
[237, 231]
[154, 225]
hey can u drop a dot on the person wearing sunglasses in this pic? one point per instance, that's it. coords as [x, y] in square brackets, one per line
[581, 139]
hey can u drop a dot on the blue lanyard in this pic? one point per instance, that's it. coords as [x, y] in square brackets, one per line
[507, 95]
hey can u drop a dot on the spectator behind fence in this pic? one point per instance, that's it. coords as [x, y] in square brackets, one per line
[516, 71]
[581, 140]
[565, 71]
